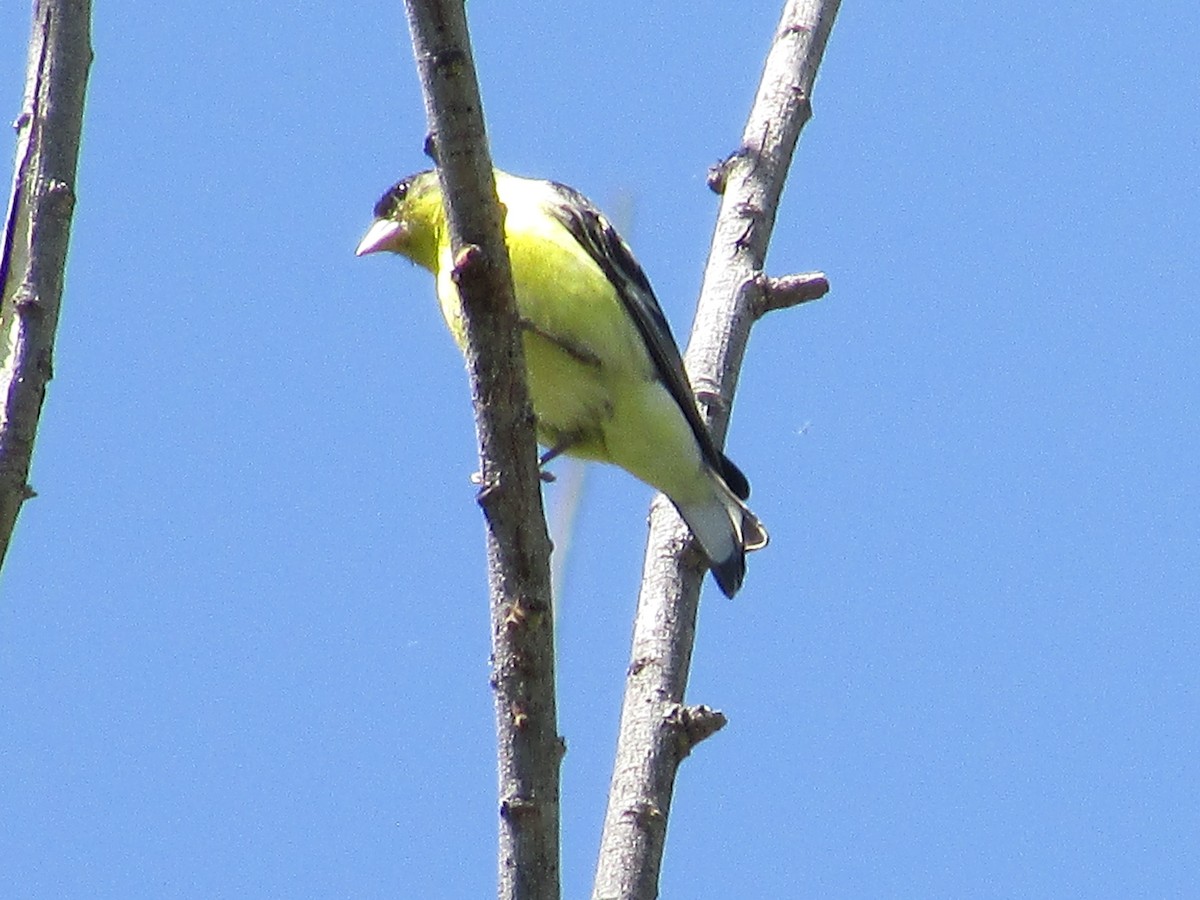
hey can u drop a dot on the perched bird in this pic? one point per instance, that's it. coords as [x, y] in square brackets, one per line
[605, 376]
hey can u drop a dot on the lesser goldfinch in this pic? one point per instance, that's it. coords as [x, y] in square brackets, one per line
[605, 375]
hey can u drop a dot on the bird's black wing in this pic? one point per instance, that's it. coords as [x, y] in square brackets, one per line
[597, 236]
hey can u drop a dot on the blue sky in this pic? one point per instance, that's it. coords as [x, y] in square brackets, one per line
[243, 627]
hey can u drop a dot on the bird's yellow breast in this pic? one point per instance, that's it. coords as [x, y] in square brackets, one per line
[580, 344]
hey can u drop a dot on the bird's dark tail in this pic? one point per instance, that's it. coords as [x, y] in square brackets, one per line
[725, 529]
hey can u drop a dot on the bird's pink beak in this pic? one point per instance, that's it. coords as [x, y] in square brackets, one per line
[384, 234]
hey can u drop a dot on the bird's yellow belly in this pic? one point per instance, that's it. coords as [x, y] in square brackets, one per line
[617, 417]
[570, 398]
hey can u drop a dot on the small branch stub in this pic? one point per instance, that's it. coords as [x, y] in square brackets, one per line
[469, 267]
[788, 291]
[718, 174]
[694, 724]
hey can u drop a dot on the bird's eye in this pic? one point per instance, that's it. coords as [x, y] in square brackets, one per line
[391, 201]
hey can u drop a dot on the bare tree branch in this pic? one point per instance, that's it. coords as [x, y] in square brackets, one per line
[518, 549]
[37, 229]
[654, 735]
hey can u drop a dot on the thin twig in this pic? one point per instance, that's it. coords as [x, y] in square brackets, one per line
[518, 549]
[37, 229]
[654, 737]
